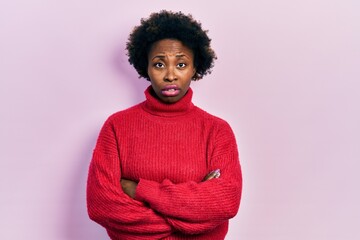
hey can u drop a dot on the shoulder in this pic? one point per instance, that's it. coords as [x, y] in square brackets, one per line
[121, 118]
[216, 127]
[221, 135]
[212, 119]
[125, 114]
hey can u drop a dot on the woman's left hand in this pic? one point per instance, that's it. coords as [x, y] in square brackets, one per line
[211, 175]
[129, 187]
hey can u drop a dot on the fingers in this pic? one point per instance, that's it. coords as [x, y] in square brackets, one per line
[129, 187]
[212, 174]
[216, 173]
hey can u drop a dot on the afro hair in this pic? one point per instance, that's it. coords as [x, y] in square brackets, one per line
[170, 25]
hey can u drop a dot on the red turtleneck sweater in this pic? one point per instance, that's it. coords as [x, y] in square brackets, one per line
[168, 149]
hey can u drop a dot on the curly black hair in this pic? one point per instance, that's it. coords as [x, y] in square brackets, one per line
[170, 25]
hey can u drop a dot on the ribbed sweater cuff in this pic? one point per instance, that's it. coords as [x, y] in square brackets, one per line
[144, 189]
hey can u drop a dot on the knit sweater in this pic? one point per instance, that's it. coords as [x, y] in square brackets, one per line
[168, 149]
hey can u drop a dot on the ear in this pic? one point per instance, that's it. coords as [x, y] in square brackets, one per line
[194, 72]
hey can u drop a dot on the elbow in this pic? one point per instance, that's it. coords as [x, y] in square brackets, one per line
[234, 204]
[231, 210]
[95, 210]
[234, 210]
[94, 213]
[94, 204]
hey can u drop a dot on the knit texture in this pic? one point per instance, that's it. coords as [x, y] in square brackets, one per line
[168, 149]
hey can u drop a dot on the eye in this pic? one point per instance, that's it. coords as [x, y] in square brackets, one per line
[181, 65]
[158, 65]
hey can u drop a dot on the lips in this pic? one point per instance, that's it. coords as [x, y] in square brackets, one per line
[170, 91]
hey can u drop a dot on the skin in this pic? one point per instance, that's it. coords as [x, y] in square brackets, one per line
[171, 63]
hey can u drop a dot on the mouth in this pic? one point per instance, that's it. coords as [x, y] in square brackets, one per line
[170, 91]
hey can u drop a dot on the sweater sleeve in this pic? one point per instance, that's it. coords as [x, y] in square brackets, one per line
[193, 207]
[108, 205]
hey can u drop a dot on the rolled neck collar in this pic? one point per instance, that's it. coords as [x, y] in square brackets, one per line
[155, 106]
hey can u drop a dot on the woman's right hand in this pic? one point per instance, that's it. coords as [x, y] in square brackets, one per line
[211, 175]
[129, 187]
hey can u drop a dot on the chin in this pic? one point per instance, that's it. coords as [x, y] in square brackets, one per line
[170, 100]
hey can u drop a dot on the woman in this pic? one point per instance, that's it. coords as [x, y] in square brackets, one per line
[155, 171]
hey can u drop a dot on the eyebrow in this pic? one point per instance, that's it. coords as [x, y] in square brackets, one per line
[180, 55]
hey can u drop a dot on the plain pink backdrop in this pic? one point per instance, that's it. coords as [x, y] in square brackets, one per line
[286, 79]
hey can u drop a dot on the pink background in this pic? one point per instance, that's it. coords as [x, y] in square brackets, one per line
[287, 80]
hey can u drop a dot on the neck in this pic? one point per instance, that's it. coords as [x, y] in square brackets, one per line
[157, 107]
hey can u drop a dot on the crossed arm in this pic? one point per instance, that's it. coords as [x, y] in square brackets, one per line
[111, 203]
[129, 187]
[139, 210]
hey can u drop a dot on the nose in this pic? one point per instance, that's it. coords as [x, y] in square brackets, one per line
[170, 74]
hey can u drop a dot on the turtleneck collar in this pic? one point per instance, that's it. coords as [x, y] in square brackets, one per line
[156, 107]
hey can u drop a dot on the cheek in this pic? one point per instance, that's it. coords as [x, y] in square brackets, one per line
[154, 74]
[151, 75]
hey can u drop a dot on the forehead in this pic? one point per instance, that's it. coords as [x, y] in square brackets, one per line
[171, 47]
